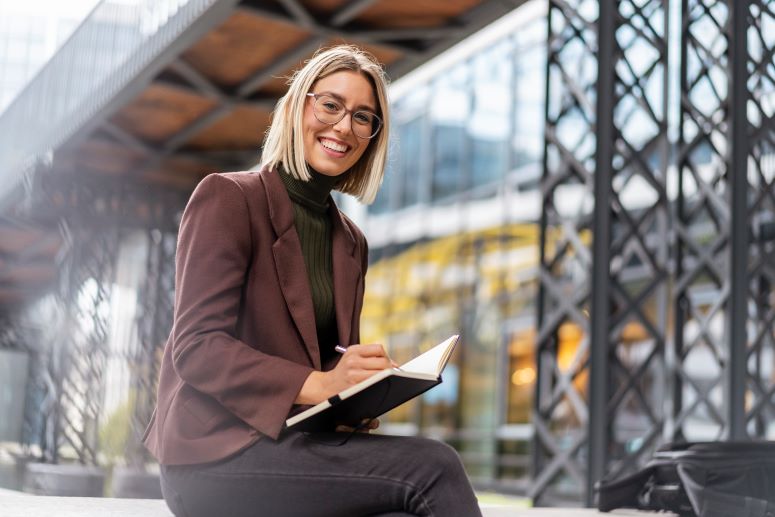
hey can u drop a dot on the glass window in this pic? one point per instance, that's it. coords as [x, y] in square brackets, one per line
[448, 145]
[450, 110]
[381, 203]
[528, 138]
[410, 161]
[490, 120]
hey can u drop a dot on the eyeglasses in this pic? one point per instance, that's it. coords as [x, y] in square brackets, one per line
[329, 110]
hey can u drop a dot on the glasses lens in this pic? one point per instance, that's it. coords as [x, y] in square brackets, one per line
[365, 124]
[328, 109]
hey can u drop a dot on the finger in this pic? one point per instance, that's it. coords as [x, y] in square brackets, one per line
[356, 376]
[371, 350]
[343, 429]
[370, 363]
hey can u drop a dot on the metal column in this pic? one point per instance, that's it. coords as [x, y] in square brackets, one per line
[604, 256]
[713, 227]
[760, 407]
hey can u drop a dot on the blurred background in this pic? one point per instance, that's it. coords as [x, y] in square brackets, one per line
[582, 190]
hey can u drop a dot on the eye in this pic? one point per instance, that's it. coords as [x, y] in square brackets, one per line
[330, 106]
[363, 117]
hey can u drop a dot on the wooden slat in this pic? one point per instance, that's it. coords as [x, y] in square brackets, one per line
[39, 272]
[413, 13]
[15, 240]
[161, 111]
[242, 45]
[103, 157]
[178, 172]
[243, 128]
[277, 86]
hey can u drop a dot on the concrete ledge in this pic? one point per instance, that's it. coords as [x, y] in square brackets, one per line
[18, 504]
[27, 505]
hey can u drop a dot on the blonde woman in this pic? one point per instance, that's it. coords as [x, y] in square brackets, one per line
[269, 280]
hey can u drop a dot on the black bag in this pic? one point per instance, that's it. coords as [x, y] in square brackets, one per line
[707, 479]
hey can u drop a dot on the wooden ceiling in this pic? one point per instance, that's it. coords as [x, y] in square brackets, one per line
[208, 107]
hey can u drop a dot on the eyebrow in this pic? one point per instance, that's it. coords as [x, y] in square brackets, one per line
[342, 99]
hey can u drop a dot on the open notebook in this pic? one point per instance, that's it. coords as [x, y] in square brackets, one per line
[379, 393]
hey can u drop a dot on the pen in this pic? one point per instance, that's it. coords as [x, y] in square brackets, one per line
[341, 350]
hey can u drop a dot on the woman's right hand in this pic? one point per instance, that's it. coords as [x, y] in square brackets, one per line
[359, 362]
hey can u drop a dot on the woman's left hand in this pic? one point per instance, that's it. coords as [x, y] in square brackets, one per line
[365, 429]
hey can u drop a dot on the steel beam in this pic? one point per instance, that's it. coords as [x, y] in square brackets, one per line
[737, 172]
[350, 11]
[600, 347]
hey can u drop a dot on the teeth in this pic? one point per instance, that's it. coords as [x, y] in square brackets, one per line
[333, 145]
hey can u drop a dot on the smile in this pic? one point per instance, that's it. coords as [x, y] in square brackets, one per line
[332, 145]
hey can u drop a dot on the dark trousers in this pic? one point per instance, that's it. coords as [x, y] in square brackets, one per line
[313, 476]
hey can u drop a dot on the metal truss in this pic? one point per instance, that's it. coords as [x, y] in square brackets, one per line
[760, 409]
[10, 335]
[561, 415]
[69, 361]
[154, 321]
[724, 251]
[604, 256]
[714, 380]
[85, 294]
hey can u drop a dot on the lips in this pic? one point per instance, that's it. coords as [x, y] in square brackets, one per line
[333, 145]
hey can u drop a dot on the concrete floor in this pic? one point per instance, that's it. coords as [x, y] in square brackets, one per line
[18, 504]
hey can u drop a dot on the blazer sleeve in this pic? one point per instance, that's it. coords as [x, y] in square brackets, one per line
[213, 256]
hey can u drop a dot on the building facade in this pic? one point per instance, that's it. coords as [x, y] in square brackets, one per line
[453, 241]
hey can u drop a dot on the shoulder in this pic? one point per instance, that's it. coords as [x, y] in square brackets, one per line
[245, 181]
[247, 186]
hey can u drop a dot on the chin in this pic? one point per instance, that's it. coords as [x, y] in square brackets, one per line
[329, 169]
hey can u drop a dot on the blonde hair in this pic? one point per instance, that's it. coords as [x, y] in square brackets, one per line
[284, 145]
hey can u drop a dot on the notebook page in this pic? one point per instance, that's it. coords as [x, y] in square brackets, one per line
[432, 361]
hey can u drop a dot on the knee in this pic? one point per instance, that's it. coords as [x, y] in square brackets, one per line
[443, 458]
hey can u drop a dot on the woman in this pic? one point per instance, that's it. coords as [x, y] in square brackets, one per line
[269, 280]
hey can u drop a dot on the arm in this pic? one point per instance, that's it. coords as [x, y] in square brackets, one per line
[358, 363]
[213, 255]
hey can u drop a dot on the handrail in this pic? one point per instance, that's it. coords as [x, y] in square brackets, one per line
[117, 47]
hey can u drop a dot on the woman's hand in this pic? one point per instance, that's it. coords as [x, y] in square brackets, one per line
[366, 426]
[359, 362]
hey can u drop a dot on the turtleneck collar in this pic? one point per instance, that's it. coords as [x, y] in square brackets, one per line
[312, 194]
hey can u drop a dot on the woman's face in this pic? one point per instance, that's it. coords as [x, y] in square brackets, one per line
[332, 150]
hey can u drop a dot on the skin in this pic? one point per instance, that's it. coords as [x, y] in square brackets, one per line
[364, 360]
[357, 93]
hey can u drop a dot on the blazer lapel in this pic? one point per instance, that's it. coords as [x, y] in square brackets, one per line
[289, 263]
[347, 274]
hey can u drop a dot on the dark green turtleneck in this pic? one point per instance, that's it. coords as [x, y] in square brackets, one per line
[313, 224]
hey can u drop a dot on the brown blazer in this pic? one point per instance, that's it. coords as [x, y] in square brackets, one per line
[243, 339]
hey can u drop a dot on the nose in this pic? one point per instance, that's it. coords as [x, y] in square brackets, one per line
[345, 125]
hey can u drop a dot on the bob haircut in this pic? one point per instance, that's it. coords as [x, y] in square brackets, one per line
[284, 146]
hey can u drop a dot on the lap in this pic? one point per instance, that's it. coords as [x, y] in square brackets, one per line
[311, 475]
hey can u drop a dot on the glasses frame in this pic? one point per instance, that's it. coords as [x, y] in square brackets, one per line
[345, 112]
